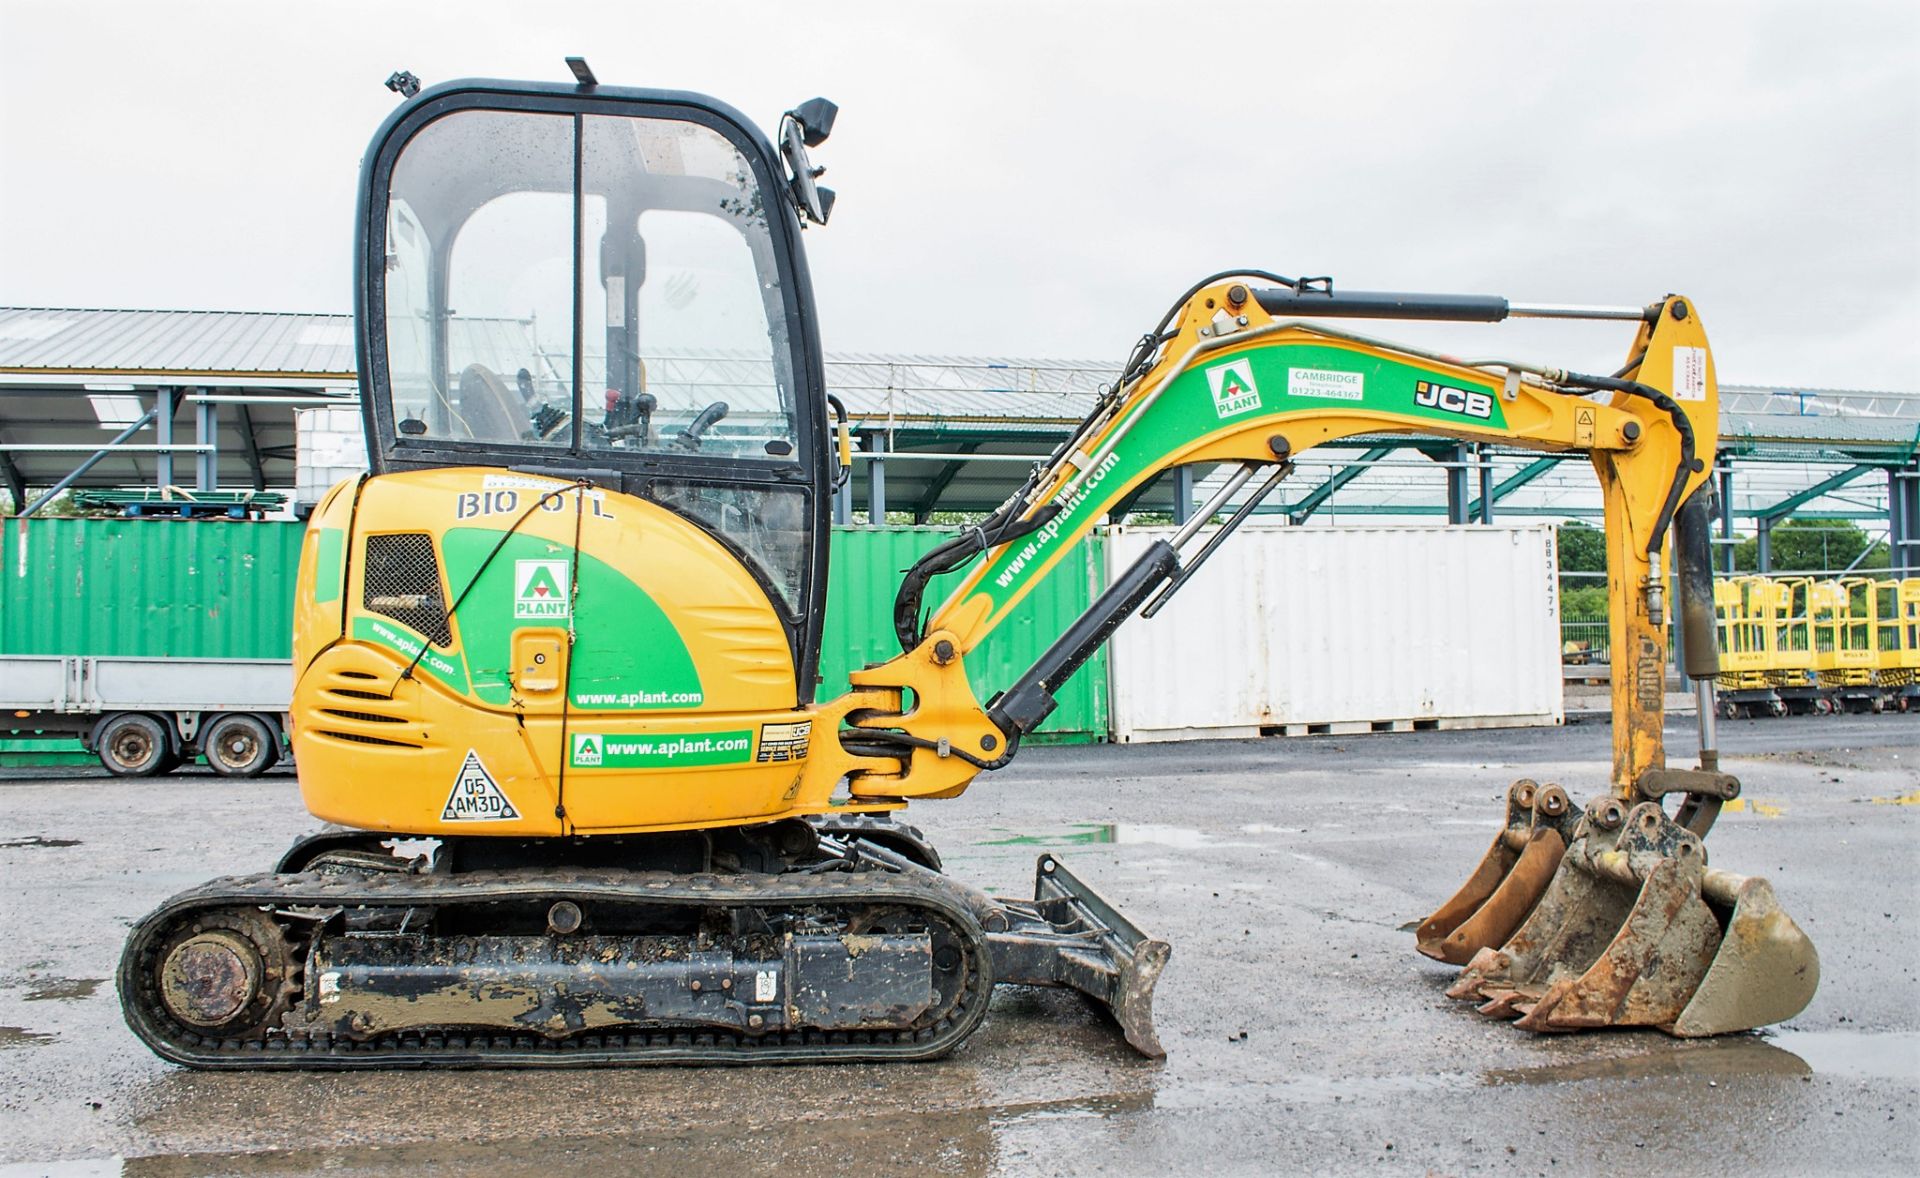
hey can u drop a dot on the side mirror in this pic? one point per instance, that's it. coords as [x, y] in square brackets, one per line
[815, 117]
[808, 125]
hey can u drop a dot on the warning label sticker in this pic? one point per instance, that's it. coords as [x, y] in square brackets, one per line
[476, 797]
[1233, 389]
[784, 742]
[1689, 374]
[1583, 426]
[540, 589]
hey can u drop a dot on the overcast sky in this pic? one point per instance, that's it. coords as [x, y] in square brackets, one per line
[1041, 179]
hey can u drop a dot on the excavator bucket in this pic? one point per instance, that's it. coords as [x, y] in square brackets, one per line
[1510, 879]
[1636, 930]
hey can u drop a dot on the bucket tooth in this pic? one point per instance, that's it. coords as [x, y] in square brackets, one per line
[1650, 968]
[1569, 927]
[1509, 880]
[1493, 867]
[1506, 1004]
[1635, 930]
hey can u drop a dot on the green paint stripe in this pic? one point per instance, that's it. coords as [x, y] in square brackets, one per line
[1286, 381]
[450, 669]
[329, 564]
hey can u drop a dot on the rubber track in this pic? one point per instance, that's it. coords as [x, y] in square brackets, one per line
[702, 1045]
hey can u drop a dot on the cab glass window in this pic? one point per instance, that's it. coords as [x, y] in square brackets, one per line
[511, 235]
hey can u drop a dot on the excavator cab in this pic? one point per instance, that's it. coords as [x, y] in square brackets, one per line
[588, 282]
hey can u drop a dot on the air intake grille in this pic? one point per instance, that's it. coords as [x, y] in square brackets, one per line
[403, 582]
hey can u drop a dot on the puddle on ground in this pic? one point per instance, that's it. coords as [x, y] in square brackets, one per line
[1887, 1055]
[964, 1141]
[1089, 833]
[21, 1037]
[36, 840]
[63, 989]
[1893, 1055]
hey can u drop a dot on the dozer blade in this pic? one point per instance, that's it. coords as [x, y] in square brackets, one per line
[1510, 879]
[1635, 930]
[1069, 936]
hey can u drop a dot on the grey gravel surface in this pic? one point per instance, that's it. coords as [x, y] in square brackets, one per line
[1304, 1034]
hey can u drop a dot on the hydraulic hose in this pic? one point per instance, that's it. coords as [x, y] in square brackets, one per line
[1689, 465]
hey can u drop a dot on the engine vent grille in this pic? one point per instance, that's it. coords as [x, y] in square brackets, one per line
[403, 583]
[357, 738]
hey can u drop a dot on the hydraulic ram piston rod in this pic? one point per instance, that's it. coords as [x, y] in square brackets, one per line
[1379, 304]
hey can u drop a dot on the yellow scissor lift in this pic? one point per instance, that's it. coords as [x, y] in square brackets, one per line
[1896, 627]
[1845, 654]
[1745, 611]
[1790, 649]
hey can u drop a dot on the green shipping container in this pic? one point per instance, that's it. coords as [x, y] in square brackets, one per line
[214, 589]
[866, 566]
[162, 588]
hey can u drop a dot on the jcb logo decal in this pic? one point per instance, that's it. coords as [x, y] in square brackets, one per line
[1448, 399]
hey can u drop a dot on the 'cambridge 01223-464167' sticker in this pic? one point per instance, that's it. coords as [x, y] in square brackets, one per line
[1325, 382]
[476, 797]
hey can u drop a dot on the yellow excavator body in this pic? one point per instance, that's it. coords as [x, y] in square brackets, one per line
[555, 655]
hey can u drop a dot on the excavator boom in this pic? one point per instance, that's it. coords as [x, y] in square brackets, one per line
[1235, 375]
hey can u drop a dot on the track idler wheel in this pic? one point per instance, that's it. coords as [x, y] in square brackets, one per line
[227, 974]
[1510, 879]
[1636, 930]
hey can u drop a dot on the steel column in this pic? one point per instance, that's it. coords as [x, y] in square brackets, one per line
[1726, 518]
[1182, 494]
[1515, 481]
[1486, 483]
[16, 482]
[206, 432]
[1763, 534]
[1903, 518]
[165, 402]
[843, 503]
[1457, 486]
[876, 484]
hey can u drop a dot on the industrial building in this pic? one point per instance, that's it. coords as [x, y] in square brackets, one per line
[210, 401]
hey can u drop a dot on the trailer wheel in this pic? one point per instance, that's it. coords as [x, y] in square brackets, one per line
[133, 744]
[239, 746]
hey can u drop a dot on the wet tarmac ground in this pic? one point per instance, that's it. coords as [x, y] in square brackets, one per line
[1303, 1032]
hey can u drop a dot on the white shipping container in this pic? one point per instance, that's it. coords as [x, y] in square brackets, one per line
[328, 446]
[1344, 629]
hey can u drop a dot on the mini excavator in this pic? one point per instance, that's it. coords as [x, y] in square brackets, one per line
[555, 656]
